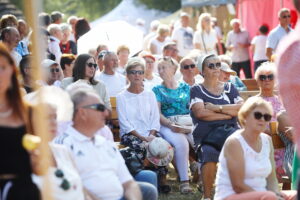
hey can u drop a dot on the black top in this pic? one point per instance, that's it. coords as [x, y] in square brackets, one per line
[14, 159]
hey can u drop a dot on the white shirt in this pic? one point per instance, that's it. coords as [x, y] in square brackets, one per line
[257, 167]
[149, 84]
[210, 41]
[16, 56]
[239, 54]
[184, 40]
[275, 36]
[101, 166]
[54, 48]
[147, 40]
[198, 79]
[106, 133]
[138, 112]
[159, 45]
[260, 47]
[114, 83]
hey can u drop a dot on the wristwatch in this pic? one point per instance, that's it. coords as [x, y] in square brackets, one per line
[220, 108]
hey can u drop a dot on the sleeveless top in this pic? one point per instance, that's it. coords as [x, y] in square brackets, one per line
[257, 167]
[14, 158]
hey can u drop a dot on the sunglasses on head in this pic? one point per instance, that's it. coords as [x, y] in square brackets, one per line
[91, 65]
[214, 65]
[286, 16]
[192, 66]
[259, 115]
[133, 72]
[98, 107]
[54, 70]
[266, 77]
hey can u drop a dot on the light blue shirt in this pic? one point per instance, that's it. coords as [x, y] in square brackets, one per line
[275, 36]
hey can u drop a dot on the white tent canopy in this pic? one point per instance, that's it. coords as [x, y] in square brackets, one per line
[130, 11]
[112, 34]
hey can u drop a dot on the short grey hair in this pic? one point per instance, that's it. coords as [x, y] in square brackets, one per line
[65, 26]
[135, 62]
[235, 20]
[52, 28]
[283, 10]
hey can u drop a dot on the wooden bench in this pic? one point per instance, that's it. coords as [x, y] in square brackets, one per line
[251, 84]
[115, 128]
[246, 94]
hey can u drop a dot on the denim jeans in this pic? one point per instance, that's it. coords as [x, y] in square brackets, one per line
[149, 192]
[147, 176]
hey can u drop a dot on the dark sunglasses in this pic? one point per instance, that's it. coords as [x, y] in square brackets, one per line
[133, 72]
[54, 70]
[65, 184]
[286, 16]
[192, 66]
[98, 107]
[214, 65]
[91, 65]
[259, 115]
[266, 77]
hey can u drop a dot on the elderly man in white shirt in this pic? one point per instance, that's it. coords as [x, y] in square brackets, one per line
[100, 165]
[238, 42]
[114, 81]
[56, 36]
[283, 28]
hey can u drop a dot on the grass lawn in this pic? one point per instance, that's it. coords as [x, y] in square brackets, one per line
[175, 193]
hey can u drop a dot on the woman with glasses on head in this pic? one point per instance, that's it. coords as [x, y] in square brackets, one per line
[84, 70]
[265, 76]
[173, 101]
[247, 169]
[213, 104]
[138, 114]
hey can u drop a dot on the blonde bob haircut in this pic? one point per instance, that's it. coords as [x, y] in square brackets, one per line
[162, 29]
[250, 104]
[135, 62]
[265, 67]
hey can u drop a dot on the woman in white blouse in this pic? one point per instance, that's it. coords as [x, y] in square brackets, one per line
[205, 38]
[247, 168]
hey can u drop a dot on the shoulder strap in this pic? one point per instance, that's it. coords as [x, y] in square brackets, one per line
[203, 42]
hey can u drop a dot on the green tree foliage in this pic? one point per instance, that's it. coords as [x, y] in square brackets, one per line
[165, 5]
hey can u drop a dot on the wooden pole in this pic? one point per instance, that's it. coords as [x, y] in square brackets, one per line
[32, 9]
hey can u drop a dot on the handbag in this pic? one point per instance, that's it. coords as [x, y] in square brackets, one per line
[132, 161]
[218, 135]
[181, 120]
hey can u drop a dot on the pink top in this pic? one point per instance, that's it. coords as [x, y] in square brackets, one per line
[289, 78]
[276, 105]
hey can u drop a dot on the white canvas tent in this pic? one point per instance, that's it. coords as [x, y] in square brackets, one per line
[113, 34]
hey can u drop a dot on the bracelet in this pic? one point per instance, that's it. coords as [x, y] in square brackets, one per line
[220, 109]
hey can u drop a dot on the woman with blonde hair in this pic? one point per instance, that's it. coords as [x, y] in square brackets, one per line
[247, 169]
[156, 44]
[205, 38]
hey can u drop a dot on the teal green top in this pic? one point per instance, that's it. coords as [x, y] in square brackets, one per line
[295, 171]
[173, 101]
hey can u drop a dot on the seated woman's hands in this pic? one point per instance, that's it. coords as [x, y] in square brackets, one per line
[178, 129]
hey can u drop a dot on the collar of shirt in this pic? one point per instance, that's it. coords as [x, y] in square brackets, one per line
[97, 140]
[55, 39]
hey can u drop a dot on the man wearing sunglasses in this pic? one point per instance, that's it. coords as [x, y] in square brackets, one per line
[99, 162]
[189, 71]
[52, 72]
[283, 28]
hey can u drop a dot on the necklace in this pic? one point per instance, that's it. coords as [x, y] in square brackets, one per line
[6, 113]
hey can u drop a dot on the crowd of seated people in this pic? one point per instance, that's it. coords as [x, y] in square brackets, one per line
[177, 102]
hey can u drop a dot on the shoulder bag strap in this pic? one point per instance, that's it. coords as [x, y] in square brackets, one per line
[203, 42]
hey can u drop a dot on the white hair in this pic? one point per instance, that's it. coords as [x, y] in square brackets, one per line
[52, 28]
[65, 26]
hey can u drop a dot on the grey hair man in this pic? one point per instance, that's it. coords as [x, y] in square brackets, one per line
[283, 28]
[100, 164]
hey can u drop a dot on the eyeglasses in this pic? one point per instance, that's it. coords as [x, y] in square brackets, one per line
[214, 65]
[133, 72]
[266, 77]
[98, 107]
[286, 16]
[54, 70]
[259, 115]
[192, 66]
[91, 65]
[65, 184]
